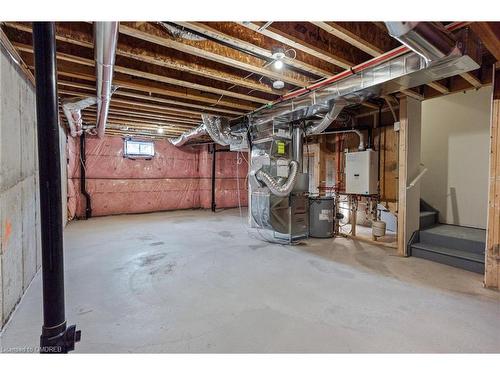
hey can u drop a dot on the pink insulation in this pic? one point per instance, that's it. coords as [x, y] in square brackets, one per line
[176, 178]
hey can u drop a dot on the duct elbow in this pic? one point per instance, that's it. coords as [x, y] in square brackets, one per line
[276, 188]
[335, 110]
[428, 39]
[219, 130]
[361, 146]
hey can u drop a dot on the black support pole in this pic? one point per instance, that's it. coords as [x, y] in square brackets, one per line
[56, 336]
[214, 151]
[83, 179]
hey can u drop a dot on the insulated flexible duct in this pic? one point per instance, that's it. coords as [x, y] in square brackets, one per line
[219, 130]
[274, 186]
[191, 134]
[72, 109]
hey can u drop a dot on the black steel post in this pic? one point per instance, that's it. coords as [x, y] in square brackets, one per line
[83, 180]
[214, 151]
[56, 336]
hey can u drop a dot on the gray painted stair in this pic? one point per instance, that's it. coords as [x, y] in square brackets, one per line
[428, 219]
[456, 246]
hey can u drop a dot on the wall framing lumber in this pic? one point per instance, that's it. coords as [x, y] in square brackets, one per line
[492, 252]
[409, 166]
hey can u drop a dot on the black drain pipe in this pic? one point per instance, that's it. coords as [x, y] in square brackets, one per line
[83, 180]
[56, 337]
[213, 177]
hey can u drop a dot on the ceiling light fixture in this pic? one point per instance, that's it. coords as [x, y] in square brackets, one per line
[278, 64]
[278, 85]
[160, 130]
[278, 54]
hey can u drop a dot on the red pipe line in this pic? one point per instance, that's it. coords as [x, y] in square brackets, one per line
[360, 67]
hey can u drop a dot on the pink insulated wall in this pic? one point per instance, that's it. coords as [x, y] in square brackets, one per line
[175, 178]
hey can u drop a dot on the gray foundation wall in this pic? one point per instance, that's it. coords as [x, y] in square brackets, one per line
[19, 195]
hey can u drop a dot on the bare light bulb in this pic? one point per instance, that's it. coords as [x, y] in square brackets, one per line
[160, 130]
[278, 64]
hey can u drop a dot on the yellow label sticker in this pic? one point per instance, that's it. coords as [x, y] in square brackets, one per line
[281, 147]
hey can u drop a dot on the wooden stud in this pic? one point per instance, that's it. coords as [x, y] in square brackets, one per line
[4, 40]
[402, 176]
[492, 253]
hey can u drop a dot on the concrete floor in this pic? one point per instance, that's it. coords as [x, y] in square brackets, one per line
[193, 281]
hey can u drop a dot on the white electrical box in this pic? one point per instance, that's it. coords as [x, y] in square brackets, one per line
[361, 172]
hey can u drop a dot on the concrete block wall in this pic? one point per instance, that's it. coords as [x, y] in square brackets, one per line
[19, 194]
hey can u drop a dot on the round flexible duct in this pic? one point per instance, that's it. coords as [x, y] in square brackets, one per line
[274, 185]
[191, 134]
[219, 130]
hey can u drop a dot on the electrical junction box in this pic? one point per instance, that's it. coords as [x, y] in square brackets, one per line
[361, 172]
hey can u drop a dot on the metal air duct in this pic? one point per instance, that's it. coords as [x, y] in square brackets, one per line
[429, 39]
[72, 109]
[105, 41]
[187, 136]
[439, 56]
[219, 130]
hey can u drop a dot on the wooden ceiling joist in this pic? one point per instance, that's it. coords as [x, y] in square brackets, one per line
[152, 98]
[153, 35]
[298, 44]
[351, 38]
[133, 104]
[146, 116]
[239, 43]
[153, 58]
[147, 75]
[489, 33]
[364, 45]
[161, 91]
[152, 125]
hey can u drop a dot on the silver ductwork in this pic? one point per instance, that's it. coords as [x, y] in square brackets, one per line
[428, 39]
[105, 41]
[337, 107]
[187, 136]
[278, 189]
[219, 130]
[72, 109]
[436, 56]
